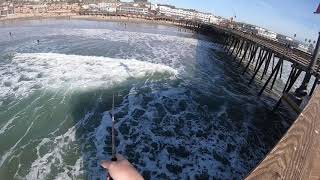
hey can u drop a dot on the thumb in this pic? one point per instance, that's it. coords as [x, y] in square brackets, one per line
[106, 164]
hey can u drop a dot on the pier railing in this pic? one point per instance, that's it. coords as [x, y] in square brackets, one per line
[297, 155]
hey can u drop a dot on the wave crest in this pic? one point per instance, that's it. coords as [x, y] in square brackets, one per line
[30, 71]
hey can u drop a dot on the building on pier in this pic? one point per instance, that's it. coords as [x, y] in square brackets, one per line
[244, 27]
[108, 7]
[140, 1]
[266, 33]
[287, 41]
[45, 8]
[130, 8]
[186, 14]
[98, 1]
[172, 11]
[118, 7]
[307, 48]
[41, 8]
[207, 18]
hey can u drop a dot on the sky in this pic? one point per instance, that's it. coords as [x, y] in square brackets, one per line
[287, 17]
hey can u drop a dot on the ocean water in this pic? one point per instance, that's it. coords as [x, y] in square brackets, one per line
[182, 109]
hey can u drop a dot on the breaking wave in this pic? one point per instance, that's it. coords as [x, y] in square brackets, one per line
[29, 72]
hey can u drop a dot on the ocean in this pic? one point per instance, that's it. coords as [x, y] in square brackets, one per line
[182, 109]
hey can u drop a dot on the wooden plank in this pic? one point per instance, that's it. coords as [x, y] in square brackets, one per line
[297, 155]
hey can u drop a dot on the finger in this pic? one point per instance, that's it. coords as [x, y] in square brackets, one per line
[106, 164]
[120, 157]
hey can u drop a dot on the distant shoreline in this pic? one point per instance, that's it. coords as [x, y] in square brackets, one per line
[70, 16]
[122, 19]
[34, 17]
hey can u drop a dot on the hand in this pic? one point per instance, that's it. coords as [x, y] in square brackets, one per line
[121, 169]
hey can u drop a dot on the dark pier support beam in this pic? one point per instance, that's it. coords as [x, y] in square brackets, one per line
[258, 68]
[253, 55]
[277, 72]
[281, 70]
[273, 59]
[261, 53]
[244, 47]
[240, 49]
[229, 39]
[264, 52]
[251, 50]
[292, 72]
[294, 78]
[248, 46]
[231, 44]
[302, 90]
[239, 45]
[225, 42]
[248, 55]
[270, 77]
[235, 46]
[267, 64]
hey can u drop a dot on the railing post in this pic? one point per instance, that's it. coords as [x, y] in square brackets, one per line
[302, 90]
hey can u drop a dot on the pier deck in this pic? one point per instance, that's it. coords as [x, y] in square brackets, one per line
[297, 155]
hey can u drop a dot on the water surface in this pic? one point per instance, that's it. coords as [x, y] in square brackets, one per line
[182, 108]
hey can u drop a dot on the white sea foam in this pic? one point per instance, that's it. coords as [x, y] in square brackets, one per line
[56, 148]
[10, 151]
[121, 36]
[29, 72]
[100, 136]
[7, 125]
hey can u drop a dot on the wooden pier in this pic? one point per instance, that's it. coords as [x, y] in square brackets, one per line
[259, 53]
[297, 155]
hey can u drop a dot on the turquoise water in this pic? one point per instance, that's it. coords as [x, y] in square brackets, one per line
[182, 109]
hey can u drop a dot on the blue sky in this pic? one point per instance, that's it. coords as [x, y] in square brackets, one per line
[288, 17]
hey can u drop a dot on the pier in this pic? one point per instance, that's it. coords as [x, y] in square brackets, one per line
[297, 155]
[261, 51]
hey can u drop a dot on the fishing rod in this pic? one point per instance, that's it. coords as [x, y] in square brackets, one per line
[114, 158]
[113, 141]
